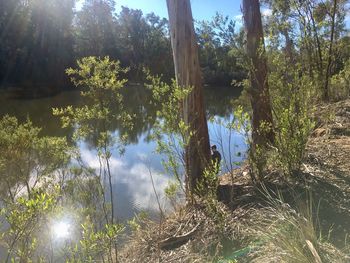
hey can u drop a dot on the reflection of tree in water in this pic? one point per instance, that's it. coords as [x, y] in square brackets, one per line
[138, 101]
[39, 111]
[218, 100]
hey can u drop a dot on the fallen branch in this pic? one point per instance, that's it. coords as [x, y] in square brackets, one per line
[177, 241]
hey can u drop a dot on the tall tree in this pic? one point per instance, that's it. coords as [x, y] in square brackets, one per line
[95, 29]
[187, 72]
[259, 91]
[330, 51]
[321, 26]
[217, 51]
[51, 49]
[132, 32]
[280, 26]
[36, 41]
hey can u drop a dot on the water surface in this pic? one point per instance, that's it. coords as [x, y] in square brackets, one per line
[131, 171]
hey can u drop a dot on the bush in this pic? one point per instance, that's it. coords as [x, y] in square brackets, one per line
[340, 84]
[292, 96]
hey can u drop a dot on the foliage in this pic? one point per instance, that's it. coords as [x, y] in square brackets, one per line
[103, 103]
[207, 187]
[27, 158]
[136, 222]
[171, 192]
[143, 42]
[219, 47]
[95, 244]
[40, 164]
[95, 29]
[37, 43]
[42, 38]
[311, 32]
[340, 84]
[26, 218]
[293, 97]
[207, 190]
[170, 132]
[101, 83]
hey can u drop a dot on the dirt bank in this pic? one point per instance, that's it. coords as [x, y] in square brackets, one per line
[229, 229]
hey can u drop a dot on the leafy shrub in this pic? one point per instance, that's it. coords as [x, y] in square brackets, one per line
[340, 83]
[293, 96]
[28, 159]
[170, 132]
[26, 218]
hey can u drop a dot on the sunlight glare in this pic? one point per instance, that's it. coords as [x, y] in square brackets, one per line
[61, 229]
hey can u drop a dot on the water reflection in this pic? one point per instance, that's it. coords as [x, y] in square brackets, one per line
[230, 143]
[39, 111]
[137, 102]
[218, 100]
[133, 191]
[131, 171]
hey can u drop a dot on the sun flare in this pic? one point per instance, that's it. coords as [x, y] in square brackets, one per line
[61, 230]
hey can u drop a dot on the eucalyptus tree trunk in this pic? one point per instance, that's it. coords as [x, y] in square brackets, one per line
[259, 92]
[187, 72]
[320, 60]
[330, 53]
[289, 45]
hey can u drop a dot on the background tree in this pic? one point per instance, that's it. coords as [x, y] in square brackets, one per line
[39, 39]
[36, 42]
[218, 43]
[143, 42]
[316, 29]
[95, 29]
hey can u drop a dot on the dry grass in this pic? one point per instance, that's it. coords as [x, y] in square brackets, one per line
[204, 246]
[274, 233]
[287, 236]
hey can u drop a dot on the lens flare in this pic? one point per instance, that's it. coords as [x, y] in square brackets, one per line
[61, 230]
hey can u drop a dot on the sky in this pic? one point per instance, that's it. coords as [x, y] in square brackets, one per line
[201, 9]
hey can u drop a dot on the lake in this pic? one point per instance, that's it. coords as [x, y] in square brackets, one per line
[131, 171]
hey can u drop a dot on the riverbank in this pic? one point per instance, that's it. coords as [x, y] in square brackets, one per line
[305, 217]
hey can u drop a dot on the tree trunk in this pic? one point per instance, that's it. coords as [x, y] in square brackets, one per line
[260, 99]
[318, 42]
[187, 72]
[289, 45]
[330, 53]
